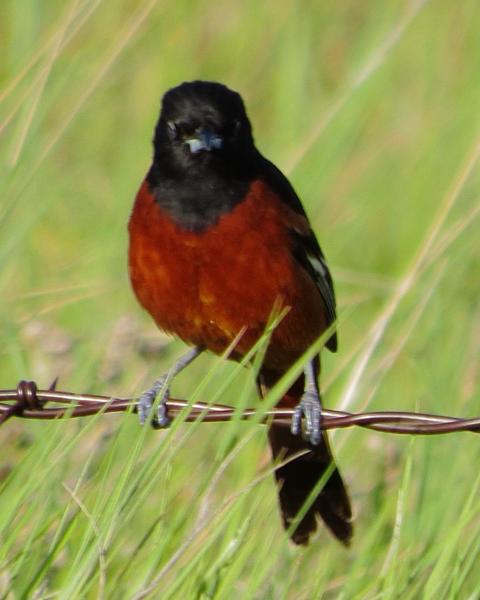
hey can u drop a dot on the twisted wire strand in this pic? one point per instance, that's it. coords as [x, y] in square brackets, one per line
[29, 402]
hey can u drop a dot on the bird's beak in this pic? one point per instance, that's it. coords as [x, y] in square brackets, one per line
[204, 139]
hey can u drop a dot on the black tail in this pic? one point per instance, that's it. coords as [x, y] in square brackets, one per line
[299, 476]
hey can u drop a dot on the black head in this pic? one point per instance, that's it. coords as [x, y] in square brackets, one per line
[203, 127]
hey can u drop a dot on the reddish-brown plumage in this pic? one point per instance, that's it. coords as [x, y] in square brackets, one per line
[207, 287]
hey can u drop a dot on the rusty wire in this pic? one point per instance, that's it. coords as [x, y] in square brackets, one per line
[27, 401]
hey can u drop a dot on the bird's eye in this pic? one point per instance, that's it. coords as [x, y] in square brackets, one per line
[173, 132]
[231, 129]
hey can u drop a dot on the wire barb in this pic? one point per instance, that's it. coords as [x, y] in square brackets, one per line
[28, 402]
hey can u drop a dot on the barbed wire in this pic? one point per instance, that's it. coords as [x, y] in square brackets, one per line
[28, 402]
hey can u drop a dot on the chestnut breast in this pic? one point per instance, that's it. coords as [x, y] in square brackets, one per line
[209, 286]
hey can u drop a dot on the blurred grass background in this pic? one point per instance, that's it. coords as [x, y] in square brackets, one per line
[372, 110]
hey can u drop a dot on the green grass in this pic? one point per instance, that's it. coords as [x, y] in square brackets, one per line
[372, 109]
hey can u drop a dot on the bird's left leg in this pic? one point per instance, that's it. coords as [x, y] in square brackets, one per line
[309, 407]
[162, 385]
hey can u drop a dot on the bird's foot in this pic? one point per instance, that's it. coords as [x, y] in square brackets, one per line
[160, 420]
[310, 408]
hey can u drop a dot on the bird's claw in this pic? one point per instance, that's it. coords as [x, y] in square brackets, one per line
[147, 399]
[310, 408]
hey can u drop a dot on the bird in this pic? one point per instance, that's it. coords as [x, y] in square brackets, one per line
[218, 238]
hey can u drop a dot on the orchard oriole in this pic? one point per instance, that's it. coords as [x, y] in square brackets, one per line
[218, 237]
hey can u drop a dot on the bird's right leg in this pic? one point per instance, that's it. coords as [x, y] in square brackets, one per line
[162, 386]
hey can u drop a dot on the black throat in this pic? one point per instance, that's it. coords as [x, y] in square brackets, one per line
[196, 202]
